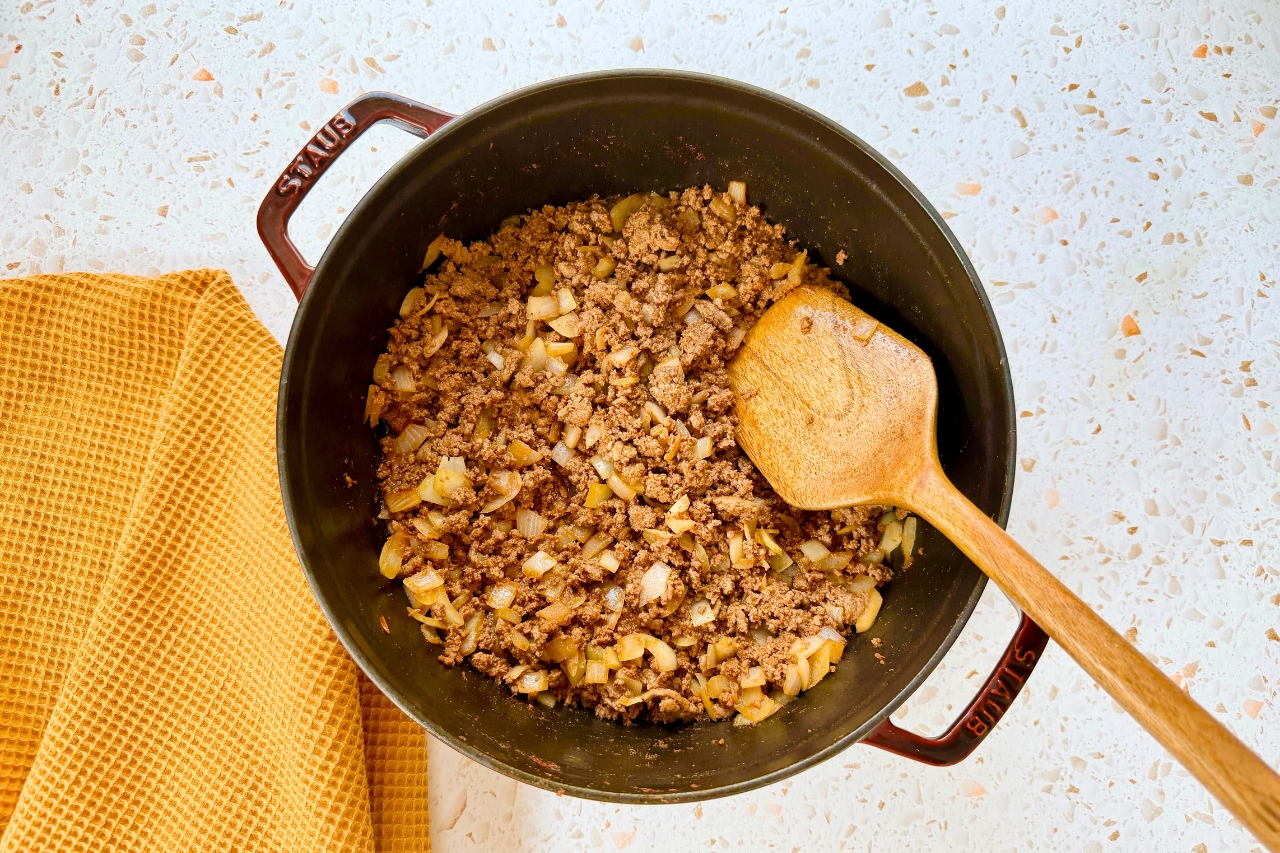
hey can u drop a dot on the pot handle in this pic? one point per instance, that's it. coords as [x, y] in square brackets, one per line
[977, 721]
[322, 149]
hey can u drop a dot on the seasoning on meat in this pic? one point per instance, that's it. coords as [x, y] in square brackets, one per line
[565, 501]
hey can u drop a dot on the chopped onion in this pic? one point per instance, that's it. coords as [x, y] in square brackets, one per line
[892, 537]
[908, 540]
[450, 476]
[609, 561]
[561, 455]
[621, 487]
[868, 616]
[390, 560]
[604, 267]
[538, 564]
[862, 584]
[501, 595]
[566, 385]
[561, 648]
[529, 523]
[402, 378]
[761, 636]
[614, 598]
[432, 346]
[654, 582]
[735, 547]
[535, 358]
[505, 482]
[829, 633]
[835, 561]
[411, 439]
[556, 367]
[717, 685]
[545, 275]
[418, 586]
[555, 614]
[522, 454]
[701, 613]
[533, 681]
[382, 368]
[572, 435]
[630, 646]
[603, 466]
[597, 494]
[702, 449]
[469, 635]
[781, 562]
[680, 525]
[684, 642]
[596, 673]
[543, 307]
[495, 358]
[411, 300]
[791, 684]
[753, 677]
[432, 635]
[664, 657]
[568, 325]
[595, 545]
[490, 310]
[451, 614]
[402, 500]
[819, 665]
[592, 435]
[738, 192]
[620, 357]
[565, 298]
[735, 338]
[814, 550]
[437, 551]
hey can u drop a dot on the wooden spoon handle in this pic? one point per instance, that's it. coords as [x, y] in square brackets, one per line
[1231, 772]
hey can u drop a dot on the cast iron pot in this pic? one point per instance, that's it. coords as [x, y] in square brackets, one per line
[608, 134]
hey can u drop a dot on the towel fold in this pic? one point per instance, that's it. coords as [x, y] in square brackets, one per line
[167, 681]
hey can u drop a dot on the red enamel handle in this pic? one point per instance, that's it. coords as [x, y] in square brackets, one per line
[997, 695]
[300, 175]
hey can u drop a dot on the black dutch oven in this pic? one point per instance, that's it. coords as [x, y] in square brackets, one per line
[617, 133]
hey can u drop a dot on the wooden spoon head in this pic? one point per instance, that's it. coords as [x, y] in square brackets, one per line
[834, 408]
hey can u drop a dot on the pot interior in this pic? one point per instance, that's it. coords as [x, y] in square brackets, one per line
[612, 134]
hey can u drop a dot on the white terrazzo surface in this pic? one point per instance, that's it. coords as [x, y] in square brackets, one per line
[1093, 164]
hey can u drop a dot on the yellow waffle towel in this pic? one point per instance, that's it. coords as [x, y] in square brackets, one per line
[167, 682]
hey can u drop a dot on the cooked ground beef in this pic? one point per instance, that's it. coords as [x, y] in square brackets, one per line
[562, 486]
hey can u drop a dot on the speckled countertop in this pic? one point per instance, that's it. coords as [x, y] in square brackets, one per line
[1113, 176]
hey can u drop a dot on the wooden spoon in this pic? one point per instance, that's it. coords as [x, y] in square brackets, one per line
[837, 410]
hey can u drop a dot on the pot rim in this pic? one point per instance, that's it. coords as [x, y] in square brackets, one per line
[460, 125]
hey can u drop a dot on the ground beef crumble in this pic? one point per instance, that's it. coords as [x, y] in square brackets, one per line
[565, 490]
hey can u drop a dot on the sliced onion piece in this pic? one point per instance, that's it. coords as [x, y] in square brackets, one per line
[654, 582]
[432, 346]
[530, 523]
[568, 324]
[892, 537]
[402, 500]
[501, 595]
[614, 598]
[538, 564]
[596, 673]
[597, 543]
[630, 646]
[490, 310]
[622, 355]
[597, 494]
[592, 435]
[555, 614]
[754, 677]
[791, 685]
[533, 681]
[543, 307]
[621, 487]
[470, 632]
[701, 613]
[664, 657]
[909, 526]
[402, 378]
[868, 616]
[562, 455]
[603, 466]
[536, 357]
[814, 550]
[702, 448]
[391, 560]
[609, 561]
[411, 439]
[566, 385]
